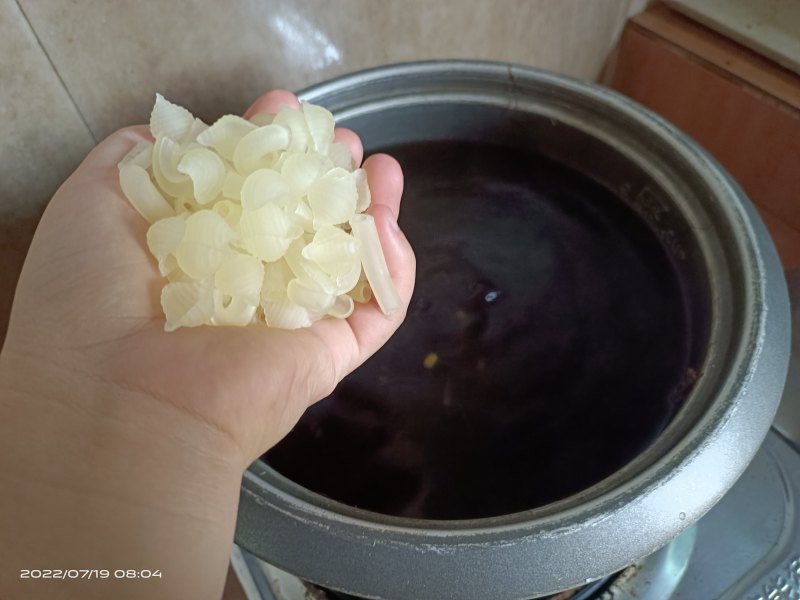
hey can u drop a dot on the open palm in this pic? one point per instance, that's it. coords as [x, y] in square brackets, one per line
[88, 302]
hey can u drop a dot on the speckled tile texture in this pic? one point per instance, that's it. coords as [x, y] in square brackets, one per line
[42, 139]
[218, 56]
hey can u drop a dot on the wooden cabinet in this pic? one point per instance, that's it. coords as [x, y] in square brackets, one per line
[742, 107]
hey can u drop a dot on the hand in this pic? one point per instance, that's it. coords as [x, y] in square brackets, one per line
[88, 300]
[96, 389]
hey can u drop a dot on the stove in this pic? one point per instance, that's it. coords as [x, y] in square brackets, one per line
[747, 547]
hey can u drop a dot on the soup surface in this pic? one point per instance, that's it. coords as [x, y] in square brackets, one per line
[546, 345]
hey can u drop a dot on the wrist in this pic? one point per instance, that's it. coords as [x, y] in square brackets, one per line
[99, 477]
[71, 408]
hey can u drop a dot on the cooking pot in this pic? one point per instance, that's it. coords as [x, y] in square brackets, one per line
[716, 262]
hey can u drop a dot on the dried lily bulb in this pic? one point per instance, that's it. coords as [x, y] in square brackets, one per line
[205, 244]
[142, 194]
[296, 126]
[163, 238]
[262, 118]
[341, 155]
[141, 155]
[375, 268]
[206, 171]
[266, 186]
[333, 197]
[361, 291]
[256, 221]
[267, 232]
[241, 277]
[225, 134]
[279, 311]
[185, 205]
[320, 124]
[169, 120]
[166, 156]
[307, 270]
[187, 304]
[334, 250]
[309, 294]
[232, 311]
[300, 171]
[343, 307]
[230, 211]
[362, 189]
[259, 147]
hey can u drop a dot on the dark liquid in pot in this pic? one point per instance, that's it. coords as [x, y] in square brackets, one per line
[558, 329]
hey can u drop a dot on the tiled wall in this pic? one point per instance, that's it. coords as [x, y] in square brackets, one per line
[73, 71]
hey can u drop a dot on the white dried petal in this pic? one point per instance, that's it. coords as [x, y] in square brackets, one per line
[187, 304]
[277, 276]
[361, 291]
[190, 138]
[250, 218]
[341, 155]
[333, 198]
[300, 171]
[206, 171]
[374, 262]
[167, 265]
[205, 244]
[172, 272]
[141, 154]
[266, 186]
[345, 282]
[232, 311]
[232, 186]
[342, 308]
[334, 250]
[306, 270]
[320, 125]
[259, 147]
[230, 211]
[285, 314]
[199, 260]
[170, 120]
[164, 236]
[142, 194]
[224, 135]
[241, 277]
[268, 232]
[362, 188]
[166, 156]
[299, 135]
[206, 226]
[262, 118]
[303, 216]
[309, 295]
[184, 205]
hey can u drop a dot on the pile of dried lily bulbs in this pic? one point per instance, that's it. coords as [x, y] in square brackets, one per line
[258, 220]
